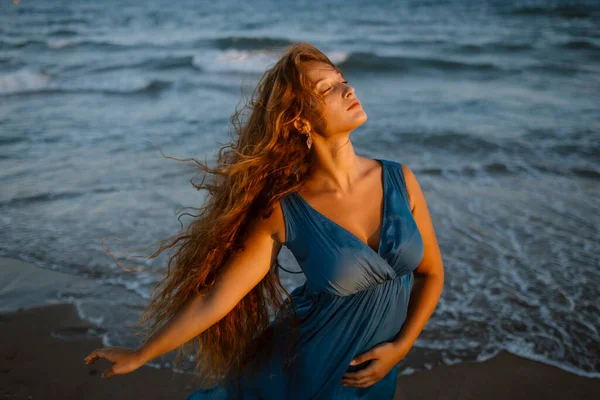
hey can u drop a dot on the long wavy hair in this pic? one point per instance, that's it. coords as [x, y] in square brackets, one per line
[266, 159]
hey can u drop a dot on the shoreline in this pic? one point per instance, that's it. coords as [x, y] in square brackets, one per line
[44, 342]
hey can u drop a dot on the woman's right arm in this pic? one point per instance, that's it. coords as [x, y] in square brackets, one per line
[240, 274]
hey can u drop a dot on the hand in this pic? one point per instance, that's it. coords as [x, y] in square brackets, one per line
[385, 356]
[124, 360]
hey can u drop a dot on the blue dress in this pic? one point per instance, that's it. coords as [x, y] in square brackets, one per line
[354, 298]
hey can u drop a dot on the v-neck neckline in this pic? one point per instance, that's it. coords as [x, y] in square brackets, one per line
[383, 213]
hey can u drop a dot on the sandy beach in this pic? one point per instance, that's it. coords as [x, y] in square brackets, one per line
[43, 346]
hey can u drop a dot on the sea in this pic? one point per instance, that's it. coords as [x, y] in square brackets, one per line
[494, 105]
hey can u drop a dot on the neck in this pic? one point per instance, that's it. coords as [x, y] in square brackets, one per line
[335, 166]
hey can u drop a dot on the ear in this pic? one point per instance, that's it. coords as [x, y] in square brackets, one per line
[302, 124]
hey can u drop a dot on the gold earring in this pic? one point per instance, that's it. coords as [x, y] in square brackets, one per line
[309, 140]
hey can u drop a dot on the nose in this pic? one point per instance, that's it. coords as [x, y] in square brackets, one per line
[349, 91]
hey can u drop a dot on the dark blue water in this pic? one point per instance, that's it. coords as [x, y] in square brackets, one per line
[494, 105]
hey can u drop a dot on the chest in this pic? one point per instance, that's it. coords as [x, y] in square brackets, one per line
[359, 214]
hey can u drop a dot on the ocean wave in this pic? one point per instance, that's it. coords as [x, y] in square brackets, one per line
[494, 47]
[41, 198]
[28, 82]
[245, 61]
[584, 144]
[63, 15]
[543, 151]
[153, 63]
[556, 68]
[23, 81]
[60, 43]
[20, 43]
[561, 11]
[225, 43]
[7, 140]
[100, 44]
[579, 44]
[586, 173]
[91, 43]
[489, 169]
[254, 55]
[499, 168]
[364, 62]
[250, 43]
[63, 32]
[116, 43]
[370, 61]
[234, 60]
[451, 141]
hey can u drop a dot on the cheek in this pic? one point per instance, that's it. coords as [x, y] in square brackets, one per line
[335, 109]
[332, 115]
[336, 116]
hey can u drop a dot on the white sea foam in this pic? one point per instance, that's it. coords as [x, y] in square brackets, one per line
[23, 80]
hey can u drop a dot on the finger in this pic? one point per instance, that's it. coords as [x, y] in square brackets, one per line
[360, 382]
[109, 373]
[366, 380]
[359, 385]
[357, 375]
[105, 353]
[356, 381]
[365, 385]
[365, 372]
[93, 356]
[361, 358]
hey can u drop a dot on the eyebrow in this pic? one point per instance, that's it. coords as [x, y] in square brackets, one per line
[321, 80]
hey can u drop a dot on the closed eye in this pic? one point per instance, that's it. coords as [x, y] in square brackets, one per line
[326, 90]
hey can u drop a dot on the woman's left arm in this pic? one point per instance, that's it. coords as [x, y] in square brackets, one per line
[426, 291]
[429, 275]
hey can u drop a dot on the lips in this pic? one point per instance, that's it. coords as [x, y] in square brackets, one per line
[354, 103]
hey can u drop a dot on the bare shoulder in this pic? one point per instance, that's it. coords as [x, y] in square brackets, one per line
[408, 174]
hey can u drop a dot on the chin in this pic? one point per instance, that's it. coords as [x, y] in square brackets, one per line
[362, 118]
[358, 122]
[351, 124]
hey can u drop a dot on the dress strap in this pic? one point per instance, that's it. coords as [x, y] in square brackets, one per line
[398, 179]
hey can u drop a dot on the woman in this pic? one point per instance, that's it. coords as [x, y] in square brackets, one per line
[359, 228]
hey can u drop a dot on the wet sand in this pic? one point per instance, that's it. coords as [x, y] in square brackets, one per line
[42, 348]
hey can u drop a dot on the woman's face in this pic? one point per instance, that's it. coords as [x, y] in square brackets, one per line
[338, 97]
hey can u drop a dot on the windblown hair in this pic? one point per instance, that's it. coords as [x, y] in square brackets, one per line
[265, 160]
